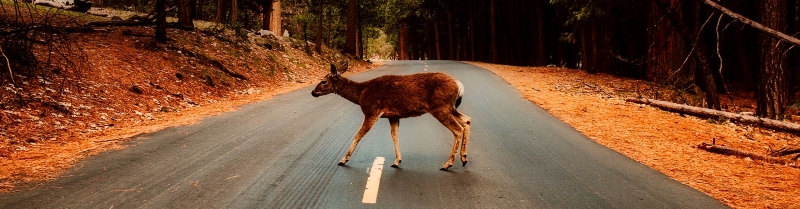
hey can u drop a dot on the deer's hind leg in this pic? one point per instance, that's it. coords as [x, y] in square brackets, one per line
[448, 120]
[395, 124]
[365, 127]
[466, 122]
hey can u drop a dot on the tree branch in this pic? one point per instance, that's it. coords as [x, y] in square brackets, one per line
[769, 31]
[742, 153]
[8, 64]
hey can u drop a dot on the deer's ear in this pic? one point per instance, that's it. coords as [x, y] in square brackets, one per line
[333, 70]
[344, 67]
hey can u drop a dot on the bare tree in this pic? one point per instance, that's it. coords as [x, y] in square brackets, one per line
[772, 94]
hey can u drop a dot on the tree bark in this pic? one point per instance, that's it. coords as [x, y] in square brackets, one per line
[266, 10]
[472, 31]
[275, 18]
[351, 33]
[711, 113]
[185, 15]
[772, 94]
[318, 41]
[402, 48]
[234, 11]
[437, 40]
[359, 35]
[196, 6]
[451, 48]
[221, 9]
[493, 23]
[161, 19]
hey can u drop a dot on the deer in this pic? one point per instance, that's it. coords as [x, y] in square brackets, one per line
[402, 96]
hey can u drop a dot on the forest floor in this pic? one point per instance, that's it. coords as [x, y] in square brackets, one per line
[595, 105]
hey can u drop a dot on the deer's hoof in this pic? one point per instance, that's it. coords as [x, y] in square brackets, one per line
[463, 164]
[446, 167]
[342, 163]
[395, 166]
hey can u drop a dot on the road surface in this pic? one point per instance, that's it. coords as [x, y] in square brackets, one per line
[282, 153]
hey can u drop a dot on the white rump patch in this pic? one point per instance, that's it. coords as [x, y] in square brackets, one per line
[460, 88]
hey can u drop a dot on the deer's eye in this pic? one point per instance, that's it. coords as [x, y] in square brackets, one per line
[323, 82]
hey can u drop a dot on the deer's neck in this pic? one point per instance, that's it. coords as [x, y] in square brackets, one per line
[349, 90]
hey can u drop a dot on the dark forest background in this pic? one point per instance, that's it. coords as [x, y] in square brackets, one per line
[687, 45]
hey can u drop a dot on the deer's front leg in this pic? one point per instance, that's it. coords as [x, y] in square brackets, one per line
[365, 126]
[395, 124]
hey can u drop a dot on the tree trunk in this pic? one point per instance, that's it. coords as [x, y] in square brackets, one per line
[359, 35]
[704, 78]
[472, 31]
[772, 95]
[304, 26]
[451, 46]
[185, 15]
[196, 7]
[437, 40]
[539, 55]
[318, 41]
[275, 18]
[266, 11]
[352, 29]
[234, 11]
[221, 9]
[492, 18]
[402, 55]
[161, 18]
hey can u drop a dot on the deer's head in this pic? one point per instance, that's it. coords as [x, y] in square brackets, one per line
[330, 82]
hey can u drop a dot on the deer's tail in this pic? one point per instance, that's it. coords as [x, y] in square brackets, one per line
[460, 92]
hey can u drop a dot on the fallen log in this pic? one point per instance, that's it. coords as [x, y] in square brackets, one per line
[741, 153]
[711, 113]
[785, 151]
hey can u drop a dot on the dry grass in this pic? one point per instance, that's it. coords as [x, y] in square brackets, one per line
[594, 104]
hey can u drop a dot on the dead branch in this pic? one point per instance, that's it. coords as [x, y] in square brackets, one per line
[8, 64]
[769, 31]
[210, 61]
[784, 151]
[711, 113]
[742, 153]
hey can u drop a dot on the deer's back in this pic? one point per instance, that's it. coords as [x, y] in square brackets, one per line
[409, 95]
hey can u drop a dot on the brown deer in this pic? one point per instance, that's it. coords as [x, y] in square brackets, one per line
[403, 96]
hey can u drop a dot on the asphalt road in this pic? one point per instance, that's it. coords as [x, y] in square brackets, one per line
[282, 153]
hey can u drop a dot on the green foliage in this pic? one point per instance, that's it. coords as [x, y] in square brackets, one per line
[583, 10]
[304, 18]
[380, 46]
[239, 30]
